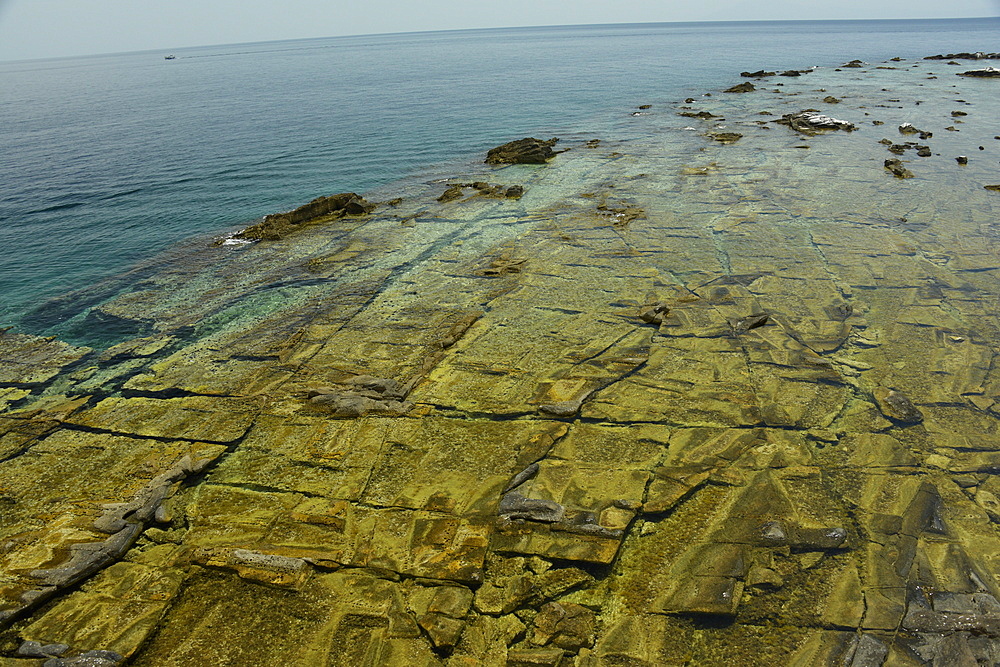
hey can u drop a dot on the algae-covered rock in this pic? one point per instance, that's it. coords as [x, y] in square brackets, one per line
[523, 151]
[726, 137]
[896, 168]
[896, 406]
[278, 225]
[745, 87]
[638, 417]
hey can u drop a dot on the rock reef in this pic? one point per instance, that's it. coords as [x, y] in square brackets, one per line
[682, 403]
[523, 151]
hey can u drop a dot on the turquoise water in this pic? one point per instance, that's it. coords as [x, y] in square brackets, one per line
[108, 161]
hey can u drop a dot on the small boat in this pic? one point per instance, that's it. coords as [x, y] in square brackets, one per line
[170, 57]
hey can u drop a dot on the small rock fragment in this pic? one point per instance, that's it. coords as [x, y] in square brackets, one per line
[726, 137]
[896, 406]
[451, 194]
[654, 313]
[88, 659]
[515, 506]
[561, 408]
[745, 324]
[32, 649]
[569, 626]
[897, 169]
[704, 115]
[522, 477]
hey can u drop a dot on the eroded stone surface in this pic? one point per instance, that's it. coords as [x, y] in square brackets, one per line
[720, 411]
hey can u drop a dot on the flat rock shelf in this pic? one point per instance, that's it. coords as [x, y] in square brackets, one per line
[666, 400]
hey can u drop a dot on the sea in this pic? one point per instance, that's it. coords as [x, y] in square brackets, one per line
[108, 161]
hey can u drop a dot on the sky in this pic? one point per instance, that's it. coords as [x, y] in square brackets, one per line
[56, 28]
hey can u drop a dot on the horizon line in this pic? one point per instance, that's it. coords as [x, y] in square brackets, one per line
[488, 29]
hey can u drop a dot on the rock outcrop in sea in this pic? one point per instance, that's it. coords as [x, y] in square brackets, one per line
[523, 151]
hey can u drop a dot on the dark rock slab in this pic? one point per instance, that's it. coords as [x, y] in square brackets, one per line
[812, 122]
[523, 151]
[978, 55]
[985, 73]
[515, 506]
[278, 225]
[897, 169]
[896, 406]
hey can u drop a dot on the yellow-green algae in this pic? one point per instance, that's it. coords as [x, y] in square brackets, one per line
[308, 438]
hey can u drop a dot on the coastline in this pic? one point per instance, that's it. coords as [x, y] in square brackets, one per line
[685, 399]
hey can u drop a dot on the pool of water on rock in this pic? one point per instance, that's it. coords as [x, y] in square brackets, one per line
[554, 430]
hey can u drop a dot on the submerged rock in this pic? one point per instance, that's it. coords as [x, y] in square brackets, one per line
[515, 506]
[33, 649]
[897, 169]
[896, 406]
[745, 324]
[726, 137]
[94, 658]
[654, 313]
[451, 194]
[523, 151]
[360, 395]
[759, 74]
[522, 477]
[703, 115]
[569, 626]
[562, 408]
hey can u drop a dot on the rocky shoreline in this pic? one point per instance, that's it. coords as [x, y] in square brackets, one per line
[730, 403]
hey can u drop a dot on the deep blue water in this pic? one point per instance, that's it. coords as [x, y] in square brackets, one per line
[108, 160]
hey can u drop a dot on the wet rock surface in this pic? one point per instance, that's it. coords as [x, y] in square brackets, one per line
[811, 122]
[986, 72]
[682, 405]
[523, 151]
[278, 225]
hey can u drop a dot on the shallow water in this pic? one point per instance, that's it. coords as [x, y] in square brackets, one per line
[684, 402]
[109, 160]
